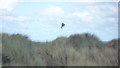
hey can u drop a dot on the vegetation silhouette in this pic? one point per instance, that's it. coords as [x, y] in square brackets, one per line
[76, 50]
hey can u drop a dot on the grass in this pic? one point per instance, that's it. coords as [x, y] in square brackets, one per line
[76, 50]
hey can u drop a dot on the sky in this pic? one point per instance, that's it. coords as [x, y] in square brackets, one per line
[41, 21]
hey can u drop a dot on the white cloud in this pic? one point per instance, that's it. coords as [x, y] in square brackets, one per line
[53, 11]
[109, 20]
[84, 16]
[7, 5]
[19, 18]
[100, 13]
[104, 10]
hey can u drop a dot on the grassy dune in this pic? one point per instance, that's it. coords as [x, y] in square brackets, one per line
[75, 50]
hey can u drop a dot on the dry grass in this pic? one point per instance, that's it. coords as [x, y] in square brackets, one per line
[76, 50]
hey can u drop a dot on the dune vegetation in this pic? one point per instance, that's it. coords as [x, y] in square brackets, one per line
[76, 50]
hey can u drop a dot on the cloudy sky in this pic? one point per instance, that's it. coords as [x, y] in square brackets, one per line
[41, 21]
